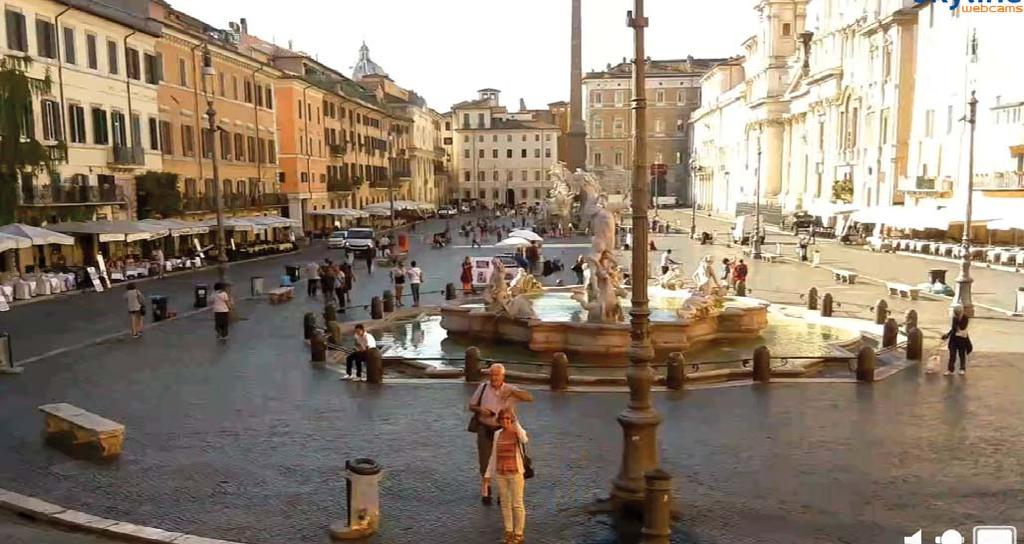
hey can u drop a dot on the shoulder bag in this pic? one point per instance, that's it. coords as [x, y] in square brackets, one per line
[527, 462]
[474, 422]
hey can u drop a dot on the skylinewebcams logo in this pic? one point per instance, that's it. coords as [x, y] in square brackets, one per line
[979, 6]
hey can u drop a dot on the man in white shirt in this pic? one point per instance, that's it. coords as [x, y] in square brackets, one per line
[491, 397]
[415, 277]
[666, 260]
[158, 256]
[364, 343]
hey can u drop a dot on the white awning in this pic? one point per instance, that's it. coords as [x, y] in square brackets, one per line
[37, 236]
[399, 205]
[1010, 223]
[112, 231]
[342, 212]
[10, 241]
[828, 209]
[178, 227]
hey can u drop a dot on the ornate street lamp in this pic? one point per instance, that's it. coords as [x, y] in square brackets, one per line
[694, 168]
[755, 252]
[391, 174]
[964, 280]
[211, 116]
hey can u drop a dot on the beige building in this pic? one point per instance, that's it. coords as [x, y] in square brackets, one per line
[102, 106]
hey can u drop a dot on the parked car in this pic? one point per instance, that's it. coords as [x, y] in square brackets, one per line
[801, 221]
[464, 207]
[483, 268]
[447, 211]
[359, 240]
[337, 239]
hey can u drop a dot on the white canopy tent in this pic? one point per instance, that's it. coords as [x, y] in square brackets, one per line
[112, 231]
[37, 236]
[1009, 223]
[513, 241]
[527, 235]
[10, 241]
[178, 227]
[343, 213]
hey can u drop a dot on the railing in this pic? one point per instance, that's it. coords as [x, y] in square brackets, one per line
[127, 155]
[233, 201]
[335, 185]
[1001, 180]
[336, 150]
[57, 152]
[45, 195]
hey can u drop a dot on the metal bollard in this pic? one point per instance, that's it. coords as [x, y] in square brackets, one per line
[449, 291]
[762, 364]
[881, 311]
[559, 372]
[376, 308]
[741, 288]
[472, 369]
[308, 325]
[657, 507]
[7, 356]
[388, 301]
[318, 349]
[674, 371]
[866, 365]
[910, 319]
[374, 366]
[826, 305]
[330, 313]
[890, 333]
[812, 298]
[915, 344]
[362, 483]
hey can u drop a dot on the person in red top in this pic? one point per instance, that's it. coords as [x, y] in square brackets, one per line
[739, 275]
[506, 467]
[466, 277]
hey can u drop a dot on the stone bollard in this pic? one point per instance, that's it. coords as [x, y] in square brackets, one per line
[890, 333]
[330, 313]
[308, 325]
[318, 349]
[674, 371]
[374, 366]
[559, 372]
[388, 301]
[376, 308]
[910, 319]
[812, 298]
[762, 364]
[334, 333]
[915, 344]
[866, 365]
[449, 291]
[472, 369]
[881, 311]
[741, 288]
[657, 507]
[826, 305]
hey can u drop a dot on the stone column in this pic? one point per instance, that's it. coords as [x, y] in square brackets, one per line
[771, 179]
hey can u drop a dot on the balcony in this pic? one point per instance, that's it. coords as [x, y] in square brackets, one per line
[337, 185]
[69, 195]
[336, 150]
[233, 201]
[57, 152]
[127, 156]
[927, 185]
[1006, 181]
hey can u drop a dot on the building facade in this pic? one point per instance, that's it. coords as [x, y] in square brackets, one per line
[500, 159]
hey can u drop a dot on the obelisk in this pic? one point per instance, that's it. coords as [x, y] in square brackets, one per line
[576, 145]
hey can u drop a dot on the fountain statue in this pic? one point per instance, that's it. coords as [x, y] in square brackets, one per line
[673, 280]
[525, 283]
[501, 299]
[558, 206]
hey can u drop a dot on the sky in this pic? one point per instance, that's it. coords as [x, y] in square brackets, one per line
[448, 49]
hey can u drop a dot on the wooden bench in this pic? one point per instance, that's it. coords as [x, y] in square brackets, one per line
[770, 257]
[902, 290]
[73, 425]
[281, 294]
[844, 276]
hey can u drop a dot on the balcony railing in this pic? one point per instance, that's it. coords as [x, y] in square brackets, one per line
[57, 152]
[233, 201]
[55, 194]
[125, 155]
[336, 150]
[336, 185]
[1001, 180]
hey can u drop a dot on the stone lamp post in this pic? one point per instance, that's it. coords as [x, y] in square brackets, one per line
[211, 117]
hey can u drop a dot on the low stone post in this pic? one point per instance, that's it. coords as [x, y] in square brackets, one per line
[388, 301]
[915, 344]
[881, 311]
[559, 372]
[812, 298]
[376, 308]
[449, 291]
[826, 305]
[674, 371]
[318, 349]
[308, 325]
[657, 507]
[741, 288]
[334, 332]
[330, 313]
[910, 320]
[866, 364]
[890, 333]
[472, 369]
[762, 364]
[374, 366]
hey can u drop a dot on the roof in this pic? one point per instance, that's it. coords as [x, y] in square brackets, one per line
[480, 102]
[365, 66]
[126, 12]
[659, 68]
[510, 124]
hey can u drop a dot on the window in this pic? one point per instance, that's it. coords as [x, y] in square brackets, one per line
[659, 97]
[536, 175]
[300, 109]
[17, 34]
[225, 145]
[465, 120]
[659, 126]
[494, 137]
[100, 134]
[618, 158]
[480, 120]
[598, 128]
[154, 134]
[466, 175]
[250, 147]
[220, 83]
[239, 150]
[118, 129]
[524, 193]
[465, 139]
[269, 101]
[885, 126]
[480, 152]
[234, 87]
[929, 123]
[271, 151]
[494, 175]
[188, 142]
[595, 97]
[206, 143]
[131, 63]
[547, 137]
[508, 138]
[523, 175]
[483, 194]
[536, 137]
[681, 97]
[509, 175]
[259, 96]
[465, 153]
[536, 153]
[480, 175]
[536, 193]
[617, 127]
[51, 120]
[547, 153]
[508, 153]
[90, 51]
[949, 119]
[182, 73]
[112, 56]
[787, 29]
[154, 70]
[248, 91]
[494, 194]
[46, 39]
[522, 154]
[620, 98]
[262, 150]
[76, 121]
[166, 140]
[494, 153]
[597, 159]
[69, 46]
[524, 137]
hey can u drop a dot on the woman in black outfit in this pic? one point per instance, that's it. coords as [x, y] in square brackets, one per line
[959, 341]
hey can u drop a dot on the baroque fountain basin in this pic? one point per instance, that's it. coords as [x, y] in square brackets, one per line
[561, 324]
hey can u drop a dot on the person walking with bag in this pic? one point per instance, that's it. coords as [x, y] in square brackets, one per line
[959, 341]
[415, 275]
[490, 398]
[222, 306]
[136, 309]
[509, 466]
[466, 276]
[398, 278]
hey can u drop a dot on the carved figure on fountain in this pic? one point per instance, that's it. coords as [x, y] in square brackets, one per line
[500, 298]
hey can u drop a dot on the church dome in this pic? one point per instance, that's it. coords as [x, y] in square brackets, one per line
[365, 66]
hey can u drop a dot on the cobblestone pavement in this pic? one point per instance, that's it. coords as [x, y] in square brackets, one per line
[17, 530]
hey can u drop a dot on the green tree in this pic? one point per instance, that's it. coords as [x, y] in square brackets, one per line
[19, 150]
[157, 195]
[842, 191]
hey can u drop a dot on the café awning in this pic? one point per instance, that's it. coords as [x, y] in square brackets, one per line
[37, 236]
[112, 231]
[177, 227]
[10, 241]
[346, 213]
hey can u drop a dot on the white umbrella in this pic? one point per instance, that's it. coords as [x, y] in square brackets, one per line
[513, 241]
[36, 235]
[10, 241]
[527, 235]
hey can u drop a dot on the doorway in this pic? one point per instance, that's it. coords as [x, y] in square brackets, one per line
[510, 198]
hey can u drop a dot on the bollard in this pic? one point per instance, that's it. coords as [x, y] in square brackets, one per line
[910, 320]
[741, 288]
[449, 291]
[362, 491]
[890, 332]
[559, 372]
[762, 364]
[826, 305]
[308, 325]
[330, 313]
[657, 507]
[318, 349]
[334, 332]
[472, 369]
[374, 366]
[388, 301]
[812, 298]
[674, 371]
[376, 308]
[881, 311]
[915, 344]
[866, 364]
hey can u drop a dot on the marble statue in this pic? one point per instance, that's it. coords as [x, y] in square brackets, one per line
[673, 280]
[525, 283]
[558, 206]
[704, 277]
[501, 298]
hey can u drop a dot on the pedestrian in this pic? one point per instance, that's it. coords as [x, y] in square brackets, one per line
[338, 285]
[476, 240]
[492, 397]
[350, 280]
[802, 248]
[466, 276]
[385, 245]
[578, 270]
[959, 341]
[727, 273]
[371, 253]
[136, 309]
[350, 258]
[415, 276]
[313, 271]
[533, 257]
[666, 261]
[398, 279]
[158, 256]
[328, 278]
[222, 306]
[739, 275]
[364, 343]
[506, 468]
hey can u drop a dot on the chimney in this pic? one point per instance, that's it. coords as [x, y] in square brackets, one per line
[522, 104]
[290, 45]
[245, 26]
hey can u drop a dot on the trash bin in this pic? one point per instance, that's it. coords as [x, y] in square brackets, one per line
[256, 285]
[362, 495]
[1018, 309]
[159, 303]
[202, 291]
[403, 242]
[292, 271]
[937, 275]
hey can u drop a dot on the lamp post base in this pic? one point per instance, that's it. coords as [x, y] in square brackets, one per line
[639, 435]
[962, 294]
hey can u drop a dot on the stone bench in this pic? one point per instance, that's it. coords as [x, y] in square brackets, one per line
[70, 424]
[844, 276]
[770, 257]
[281, 294]
[902, 290]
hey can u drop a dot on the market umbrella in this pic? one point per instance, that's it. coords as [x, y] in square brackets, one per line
[10, 241]
[513, 241]
[36, 235]
[527, 235]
